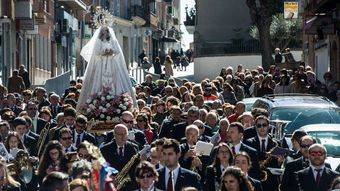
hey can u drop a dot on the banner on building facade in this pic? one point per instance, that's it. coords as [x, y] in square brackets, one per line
[291, 9]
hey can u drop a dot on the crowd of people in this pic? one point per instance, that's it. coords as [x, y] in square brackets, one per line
[175, 59]
[47, 145]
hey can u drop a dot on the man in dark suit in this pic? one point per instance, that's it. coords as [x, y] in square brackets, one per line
[134, 135]
[29, 127]
[41, 97]
[263, 143]
[173, 177]
[55, 106]
[70, 115]
[296, 143]
[296, 165]
[119, 151]
[189, 159]
[179, 129]
[15, 83]
[38, 124]
[11, 103]
[316, 177]
[234, 137]
[66, 140]
[79, 133]
[167, 127]
[20, 126]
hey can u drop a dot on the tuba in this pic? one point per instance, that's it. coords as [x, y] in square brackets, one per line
[123, 177]
[42, 139]
[278, 132]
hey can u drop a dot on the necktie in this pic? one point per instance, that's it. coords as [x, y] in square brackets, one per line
[121, 152]
[233, 149]
[78, 140]
[318, 176]
[263, 145]
[170, 184]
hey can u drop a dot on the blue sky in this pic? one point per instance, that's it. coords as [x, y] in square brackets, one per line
[186, 37]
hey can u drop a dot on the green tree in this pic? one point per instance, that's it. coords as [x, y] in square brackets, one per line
[261, 14]
[283, 32]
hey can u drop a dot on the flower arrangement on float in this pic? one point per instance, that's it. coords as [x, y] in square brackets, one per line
[105, 108]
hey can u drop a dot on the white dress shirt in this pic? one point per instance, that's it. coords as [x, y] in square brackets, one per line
[174, 176]
[237, 147]
[122, 150]
[76, 137]
[315, 173]
[266, 141]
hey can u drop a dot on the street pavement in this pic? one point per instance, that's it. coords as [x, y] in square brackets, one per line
[188, 74]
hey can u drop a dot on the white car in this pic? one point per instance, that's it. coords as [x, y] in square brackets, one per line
[329, 136]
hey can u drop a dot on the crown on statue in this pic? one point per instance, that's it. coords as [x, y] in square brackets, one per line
[102, 17]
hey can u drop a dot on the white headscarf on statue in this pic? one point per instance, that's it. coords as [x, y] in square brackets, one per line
[120, 76]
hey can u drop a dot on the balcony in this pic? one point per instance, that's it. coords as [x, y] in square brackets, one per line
[138, 15]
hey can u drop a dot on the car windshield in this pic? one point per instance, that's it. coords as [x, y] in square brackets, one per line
[299, 117]
[329, 139]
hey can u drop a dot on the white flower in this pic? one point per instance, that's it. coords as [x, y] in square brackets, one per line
[118, 111]
[92, 106]
[120, 105]
[102, 116]
[108, 105]
[102, 98]
[126, 99]
[101, 107]
[115, 119]
[104, 110]
[126, 103]
[108, 97]
[124, 108]
[88, 101]
[108, 118]
[94, 101]
[88, 110]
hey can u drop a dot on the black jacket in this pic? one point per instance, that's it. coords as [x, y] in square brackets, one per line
[185, 178]
[256, 184]
[167, 128]
[288, 173]
[306, 180]
[30, 144]
[254, 171]
[140, 139]
[109, 152]
[86, 137]
[212, 177]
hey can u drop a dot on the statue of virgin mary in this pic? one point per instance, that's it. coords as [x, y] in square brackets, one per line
[106, 66]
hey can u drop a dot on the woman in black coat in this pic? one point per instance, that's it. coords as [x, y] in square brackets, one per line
[223, 157]
[157, 66]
